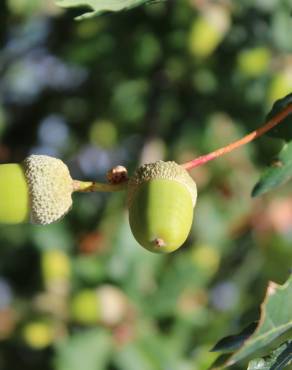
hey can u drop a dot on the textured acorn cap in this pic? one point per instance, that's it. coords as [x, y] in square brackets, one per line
[161, 170]
[50, 188]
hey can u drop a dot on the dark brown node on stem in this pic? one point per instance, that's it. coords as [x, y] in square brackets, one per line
[117, 175]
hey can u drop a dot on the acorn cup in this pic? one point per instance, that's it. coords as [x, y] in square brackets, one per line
[161, 198]
[37, 190]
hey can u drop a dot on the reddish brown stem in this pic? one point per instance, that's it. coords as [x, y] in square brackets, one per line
[278, 118]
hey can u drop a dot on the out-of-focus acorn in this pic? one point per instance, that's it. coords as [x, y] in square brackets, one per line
[56, 270]
[38, 190]
[85, 307]
[161, 198]
[208, 30]
[107, 305]
[38, 334]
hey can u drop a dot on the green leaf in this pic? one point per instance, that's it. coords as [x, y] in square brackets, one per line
[277, 174]
[258, 364]
[275, 320]
[277, 360]
[284, 357]
[88, 350]
[284, 129]
[220, 362]
[98, 7]
[233, 342]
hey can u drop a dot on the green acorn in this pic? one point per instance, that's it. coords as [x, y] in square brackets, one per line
[14, 195]
[38, 334]
[107, 305]
[161, 198]
[37, 190]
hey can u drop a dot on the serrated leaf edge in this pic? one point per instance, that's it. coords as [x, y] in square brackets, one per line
[271, 289]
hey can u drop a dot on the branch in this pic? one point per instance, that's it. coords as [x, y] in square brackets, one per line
[278, 118]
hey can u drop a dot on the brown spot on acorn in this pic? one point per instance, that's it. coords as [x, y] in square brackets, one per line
[159, 242]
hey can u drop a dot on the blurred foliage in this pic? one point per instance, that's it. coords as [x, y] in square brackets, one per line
[169, 80]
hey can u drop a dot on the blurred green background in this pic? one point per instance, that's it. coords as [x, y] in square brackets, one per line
[171, 80]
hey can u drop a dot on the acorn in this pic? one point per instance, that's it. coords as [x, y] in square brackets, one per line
[161, 198]
[106, 304]
[38, 334]
[38, 190]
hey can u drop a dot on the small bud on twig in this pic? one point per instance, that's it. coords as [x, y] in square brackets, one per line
[117, 175]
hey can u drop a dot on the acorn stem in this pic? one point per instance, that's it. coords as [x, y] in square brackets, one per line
[278, 118]
[92, 186]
